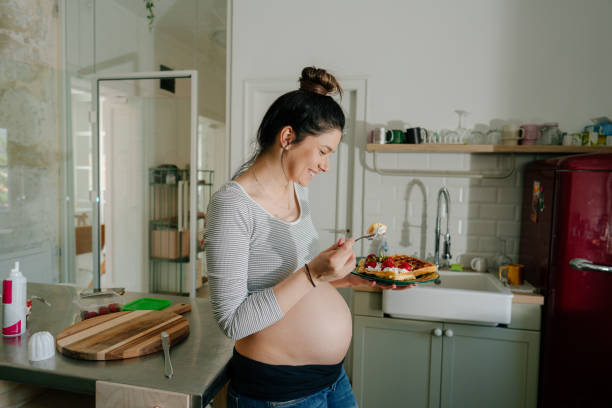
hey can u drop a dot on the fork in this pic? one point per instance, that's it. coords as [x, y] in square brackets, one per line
[367, 236]
[165, 339]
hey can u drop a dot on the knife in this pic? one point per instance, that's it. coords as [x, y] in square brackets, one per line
[165, 339]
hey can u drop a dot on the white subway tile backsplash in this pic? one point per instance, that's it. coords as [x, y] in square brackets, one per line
[481, 227]
[513, 247]
[415, 208]
[503, 182]
[497, 212]
[412, 161]
[472, 245]
[487, 244]
[456, 194]
[445, 161]
[456, 182]
[509, 195]
[508, 229]
[489, 162]
[465, 211]
[482, 195]
[481, 210]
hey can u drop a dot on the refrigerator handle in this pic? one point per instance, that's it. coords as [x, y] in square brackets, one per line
[586, 265]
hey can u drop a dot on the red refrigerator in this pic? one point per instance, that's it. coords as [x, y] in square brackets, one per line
[566, 247]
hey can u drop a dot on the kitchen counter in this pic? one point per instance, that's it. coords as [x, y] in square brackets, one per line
[526, 307]
[199, 361]
[519, 297]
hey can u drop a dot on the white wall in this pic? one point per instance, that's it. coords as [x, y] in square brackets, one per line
[529, 61]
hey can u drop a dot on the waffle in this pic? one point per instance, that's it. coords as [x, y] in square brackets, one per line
[403, 267]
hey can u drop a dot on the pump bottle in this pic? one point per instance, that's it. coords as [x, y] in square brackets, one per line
[14, 303]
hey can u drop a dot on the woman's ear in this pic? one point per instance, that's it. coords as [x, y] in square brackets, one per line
[287, 137]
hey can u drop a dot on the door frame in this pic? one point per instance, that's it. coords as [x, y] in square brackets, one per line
[95, 193]
[351, 195]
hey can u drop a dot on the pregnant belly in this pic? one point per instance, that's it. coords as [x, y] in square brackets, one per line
[317, 330]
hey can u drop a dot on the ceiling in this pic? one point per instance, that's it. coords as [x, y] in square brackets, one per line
[184, 19]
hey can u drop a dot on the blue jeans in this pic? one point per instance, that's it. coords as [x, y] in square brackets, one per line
[338, 395]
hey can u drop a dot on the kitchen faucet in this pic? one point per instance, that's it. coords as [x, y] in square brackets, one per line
[446, 255]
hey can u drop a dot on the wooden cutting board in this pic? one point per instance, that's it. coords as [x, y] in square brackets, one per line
[122, 335]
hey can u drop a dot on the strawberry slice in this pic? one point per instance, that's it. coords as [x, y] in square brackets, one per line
[370, 264]
[406, 266]
[388, 263]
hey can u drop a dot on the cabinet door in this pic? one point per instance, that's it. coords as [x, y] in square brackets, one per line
[489, 367]
[396, 363]
[112, 395]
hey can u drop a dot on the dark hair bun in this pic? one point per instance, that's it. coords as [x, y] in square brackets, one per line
[319, 81]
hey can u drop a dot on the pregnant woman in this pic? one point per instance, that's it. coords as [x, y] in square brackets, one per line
[271, 289]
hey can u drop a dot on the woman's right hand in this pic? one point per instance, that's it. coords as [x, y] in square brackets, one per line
[335, 262]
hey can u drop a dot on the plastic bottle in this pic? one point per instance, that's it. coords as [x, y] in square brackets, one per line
[14, 303]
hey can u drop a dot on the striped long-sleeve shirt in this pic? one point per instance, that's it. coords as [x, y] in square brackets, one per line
[248, 251]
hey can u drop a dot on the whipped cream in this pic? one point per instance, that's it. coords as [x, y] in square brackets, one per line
[379, 268]
[377, 228]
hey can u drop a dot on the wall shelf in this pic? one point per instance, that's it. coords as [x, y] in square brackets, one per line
[450, 148]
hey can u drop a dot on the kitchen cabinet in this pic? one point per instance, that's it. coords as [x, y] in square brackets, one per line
[111, 395]
[409, 363]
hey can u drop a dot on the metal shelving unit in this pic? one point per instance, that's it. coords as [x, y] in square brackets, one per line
[169, 235]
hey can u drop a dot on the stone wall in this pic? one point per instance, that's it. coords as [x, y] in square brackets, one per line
[29, 111]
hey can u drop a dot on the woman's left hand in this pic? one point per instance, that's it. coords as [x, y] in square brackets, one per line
[351, 281]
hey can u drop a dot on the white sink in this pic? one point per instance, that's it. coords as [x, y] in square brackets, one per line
[468, 297]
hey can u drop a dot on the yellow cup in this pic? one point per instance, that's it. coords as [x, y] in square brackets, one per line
[513, 272]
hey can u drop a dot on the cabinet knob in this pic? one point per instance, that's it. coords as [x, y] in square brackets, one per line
[437, 332]
[448, 333]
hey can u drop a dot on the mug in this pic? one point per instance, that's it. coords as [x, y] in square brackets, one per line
[396, 136]
[379, 136]
[511, 131]
[415, 135]
[509, 141]
[549, 134]
[531, 132]
[493, 136]
[568, 139]
[479, 264]
[513, 272]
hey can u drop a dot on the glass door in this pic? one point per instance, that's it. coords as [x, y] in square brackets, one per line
[146, 179]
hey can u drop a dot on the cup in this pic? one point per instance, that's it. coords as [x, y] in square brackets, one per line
[479, 264]
[510, 141]
[568, 139]
[531, 132]
[379, 136]
[396, 136]
[494, 136]
[513, 272]
[549, 134]
[512, 131]
[415, 135]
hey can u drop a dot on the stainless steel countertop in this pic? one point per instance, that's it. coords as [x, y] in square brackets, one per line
[199, 361]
